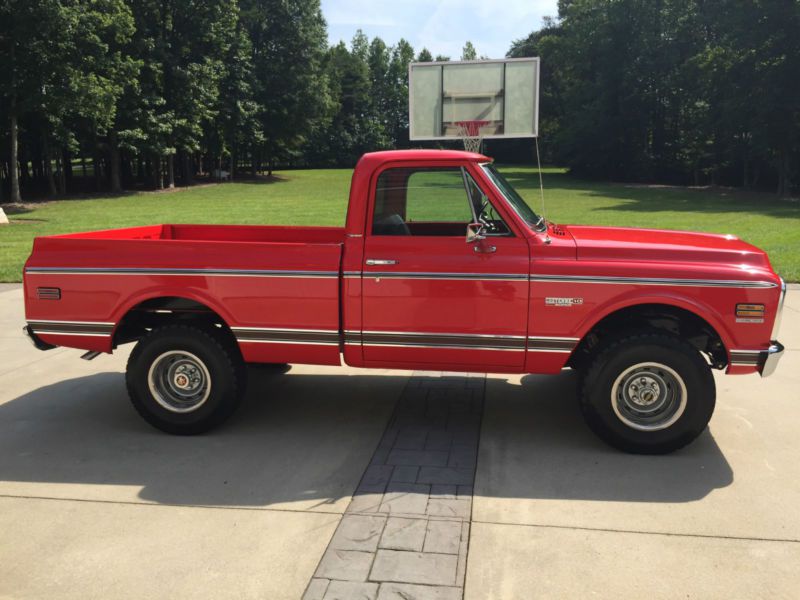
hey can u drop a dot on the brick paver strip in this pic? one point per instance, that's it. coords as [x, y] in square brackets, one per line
[405, 533]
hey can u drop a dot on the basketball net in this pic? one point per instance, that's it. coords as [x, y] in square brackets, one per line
[470, 134]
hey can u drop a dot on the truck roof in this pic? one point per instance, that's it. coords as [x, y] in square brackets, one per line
[371, 160]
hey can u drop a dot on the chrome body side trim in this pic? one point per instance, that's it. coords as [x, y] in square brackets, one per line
[74, 322]
[733, 283]
[448, 276]
[181, 272]
[424, 333]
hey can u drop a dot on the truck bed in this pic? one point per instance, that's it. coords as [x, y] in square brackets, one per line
[266, 283]
[218, 233]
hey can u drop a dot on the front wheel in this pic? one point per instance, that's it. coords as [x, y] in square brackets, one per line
[648, 394]
[184, 379]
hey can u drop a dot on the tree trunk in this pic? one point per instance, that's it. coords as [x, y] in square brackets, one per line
[233, 163]
[48, 166]
[188, 175]
[61, 171]
[96, 165]
[68, 166]
[116, 180]
[24, 171]
[746, 166]
[158, 180]
[784, 179]
[171, 171]
[254, 166]
[15, 197]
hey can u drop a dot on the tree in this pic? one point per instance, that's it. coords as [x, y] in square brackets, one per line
[672, 90]
[402, 56]
[288, 40]
[354, 127]
[425, 56]
[381, 85]
[469, 52]
[63, 67]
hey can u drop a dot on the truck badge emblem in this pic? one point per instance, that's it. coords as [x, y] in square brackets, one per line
[563, 301]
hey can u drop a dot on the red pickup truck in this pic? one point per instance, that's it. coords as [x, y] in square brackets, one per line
[441, 265]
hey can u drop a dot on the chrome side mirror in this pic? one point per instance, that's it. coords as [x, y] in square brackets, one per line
[475, 232]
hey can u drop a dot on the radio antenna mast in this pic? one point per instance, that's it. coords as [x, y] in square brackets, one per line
[547, 239]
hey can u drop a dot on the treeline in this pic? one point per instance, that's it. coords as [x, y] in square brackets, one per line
[687, 91]
[121, 94]
[135, 93]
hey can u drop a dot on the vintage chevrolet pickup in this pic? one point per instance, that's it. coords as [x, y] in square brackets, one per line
[441, 265]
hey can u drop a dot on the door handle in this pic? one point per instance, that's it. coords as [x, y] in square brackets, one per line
[381, 261]
[485, 249]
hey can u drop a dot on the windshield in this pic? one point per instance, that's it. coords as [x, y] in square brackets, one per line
[514, 199]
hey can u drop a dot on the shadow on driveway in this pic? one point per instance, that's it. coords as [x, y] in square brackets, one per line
[303, 440]
[534, 444]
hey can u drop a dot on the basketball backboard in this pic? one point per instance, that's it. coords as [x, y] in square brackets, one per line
[498, 97]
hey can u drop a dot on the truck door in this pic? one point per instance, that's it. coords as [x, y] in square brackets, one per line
[429, 296]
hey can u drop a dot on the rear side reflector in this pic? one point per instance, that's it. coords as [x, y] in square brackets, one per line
[48, 293]
[750, 313]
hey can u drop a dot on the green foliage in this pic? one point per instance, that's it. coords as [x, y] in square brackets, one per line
[672, 90]
[469, 52]
[289, 40]
[425, 56]
[156, 91]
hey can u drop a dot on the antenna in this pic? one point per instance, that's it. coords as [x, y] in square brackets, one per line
[547, 239]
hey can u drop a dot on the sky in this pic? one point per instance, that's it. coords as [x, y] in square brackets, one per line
[441, 26]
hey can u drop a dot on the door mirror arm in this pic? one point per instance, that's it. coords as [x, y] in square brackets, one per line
[475, 232]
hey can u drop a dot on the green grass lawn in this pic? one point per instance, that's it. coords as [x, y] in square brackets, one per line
[319, 197]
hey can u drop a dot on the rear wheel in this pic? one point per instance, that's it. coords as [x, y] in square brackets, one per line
[648, 394]
[184, 379]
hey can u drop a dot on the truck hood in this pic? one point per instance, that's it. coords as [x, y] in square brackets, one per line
[658, 245]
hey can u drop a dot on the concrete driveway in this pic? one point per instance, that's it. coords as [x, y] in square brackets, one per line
[305, 486]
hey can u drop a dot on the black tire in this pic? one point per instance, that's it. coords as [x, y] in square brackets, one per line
[648, 368]
[154, 388]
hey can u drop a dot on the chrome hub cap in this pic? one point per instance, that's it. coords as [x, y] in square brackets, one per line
[179, 381]
[648, 396]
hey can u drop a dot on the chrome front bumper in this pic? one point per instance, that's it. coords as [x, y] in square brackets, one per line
[770, 358]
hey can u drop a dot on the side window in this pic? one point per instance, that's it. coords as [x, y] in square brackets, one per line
[437, 196]
[421, 201]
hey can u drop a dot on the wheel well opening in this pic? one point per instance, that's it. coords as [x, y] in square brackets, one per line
[648, 317]
[157, 312]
